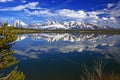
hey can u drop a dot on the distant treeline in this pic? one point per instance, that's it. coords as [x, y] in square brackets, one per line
[28, 30]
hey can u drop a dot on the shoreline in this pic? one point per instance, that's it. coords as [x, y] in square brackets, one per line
[27, 31]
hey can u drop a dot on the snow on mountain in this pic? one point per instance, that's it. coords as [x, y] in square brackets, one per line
[72, 25]
[83, 26]
[34, 25]
[50, 24]
[53, 25]
[19, 23]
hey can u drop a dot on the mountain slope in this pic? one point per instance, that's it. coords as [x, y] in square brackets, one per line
[54, 25]
[72, 25]
[19, 24]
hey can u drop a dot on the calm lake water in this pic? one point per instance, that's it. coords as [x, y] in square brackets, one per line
[56, 56]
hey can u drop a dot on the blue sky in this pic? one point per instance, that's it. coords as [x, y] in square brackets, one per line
[103, 12]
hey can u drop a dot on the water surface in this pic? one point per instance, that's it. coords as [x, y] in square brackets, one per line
[56, 56]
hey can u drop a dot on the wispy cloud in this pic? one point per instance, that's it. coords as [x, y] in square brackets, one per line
[112, 9]
[23, 1]
[8, 18]
[80, 15]
[109, 5]
[31, 5]
[43, 12]
[6, 0]
[31, 9]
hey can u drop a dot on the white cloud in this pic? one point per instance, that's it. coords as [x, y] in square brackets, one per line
[109, 5]
[112, 9]
[59, 13]
[67, 14]
[39, 12]
[80, 14]
[112, 18]
[23, 1]
[6, 0]
[31, 5]
[93, 14]
[110, 21]
[63, 14]
[105, 18]
[72, 13]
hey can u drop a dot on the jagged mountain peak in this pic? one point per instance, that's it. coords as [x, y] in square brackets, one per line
[52, 25]
[75, 25]
[19, 23]
[51, 22]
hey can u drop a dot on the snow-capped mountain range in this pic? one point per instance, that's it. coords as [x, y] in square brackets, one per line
[53, 25]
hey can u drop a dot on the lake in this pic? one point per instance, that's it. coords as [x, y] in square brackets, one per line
[65, 56]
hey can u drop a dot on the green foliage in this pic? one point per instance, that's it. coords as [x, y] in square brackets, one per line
[8, 36]
[6, 59]
[14, 75]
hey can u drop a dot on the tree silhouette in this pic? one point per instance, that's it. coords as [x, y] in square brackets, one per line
[7, 40]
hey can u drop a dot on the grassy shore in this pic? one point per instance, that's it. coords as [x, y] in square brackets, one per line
[96, 72]
[26, 31]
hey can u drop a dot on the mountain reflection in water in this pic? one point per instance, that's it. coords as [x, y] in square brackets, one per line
[31, 45]
[53, 56]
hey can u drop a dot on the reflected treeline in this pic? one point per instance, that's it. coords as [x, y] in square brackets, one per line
[7, 38]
